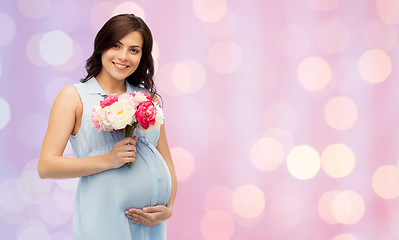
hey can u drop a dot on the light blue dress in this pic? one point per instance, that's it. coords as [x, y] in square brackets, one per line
[102, 198]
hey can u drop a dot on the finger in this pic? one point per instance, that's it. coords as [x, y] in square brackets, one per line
[152, 209]
[129, 140]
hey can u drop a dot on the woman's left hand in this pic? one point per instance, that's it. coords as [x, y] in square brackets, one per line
[149, 216]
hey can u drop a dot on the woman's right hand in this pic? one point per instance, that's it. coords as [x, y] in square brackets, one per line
[123, 152]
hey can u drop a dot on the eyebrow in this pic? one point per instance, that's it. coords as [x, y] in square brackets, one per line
[130, 46]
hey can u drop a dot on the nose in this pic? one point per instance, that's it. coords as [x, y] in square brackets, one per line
[122, 55]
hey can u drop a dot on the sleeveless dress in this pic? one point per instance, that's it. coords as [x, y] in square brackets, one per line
[103, 198]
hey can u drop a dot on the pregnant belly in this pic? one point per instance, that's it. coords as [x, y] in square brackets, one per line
[146, 183]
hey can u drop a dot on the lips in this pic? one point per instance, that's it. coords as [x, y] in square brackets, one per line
[120, 66]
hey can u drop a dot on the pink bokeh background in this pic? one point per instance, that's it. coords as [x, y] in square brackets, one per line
[281, 115]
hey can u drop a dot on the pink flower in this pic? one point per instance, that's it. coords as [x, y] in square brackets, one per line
[146, 113]
[108, 101]
[96, 118]
[129, 99]
[140, 97]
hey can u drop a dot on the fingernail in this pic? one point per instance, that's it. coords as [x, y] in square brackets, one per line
[145, 209]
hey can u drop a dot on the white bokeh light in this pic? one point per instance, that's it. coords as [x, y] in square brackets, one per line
[267, 154]
[348, 207]
[188, 76]
[225, 56]
[375, 66]
[217, 225]
[33, 50]
[314, 73]
[56, 47]
[183, 161]
[5, 111]
[129, 7]
[338, 160]
[385, 181]
[303, 162]
[8, 29]
[248, 201]
[340, 113]
[210, 10]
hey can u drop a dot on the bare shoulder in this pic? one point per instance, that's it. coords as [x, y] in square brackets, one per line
[68, 98]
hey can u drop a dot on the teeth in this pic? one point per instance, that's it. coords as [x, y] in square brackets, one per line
[120, 66]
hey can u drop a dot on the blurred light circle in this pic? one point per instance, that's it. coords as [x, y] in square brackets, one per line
[56, 47]
[11, 202]
[32, 136]
[8, 29]
[388, 10]
[165, 80]
[33, 50]
[183, 161]
[68, 184]
[222, 29]
[282, 136]
[314, 73]
[340, 113]
[34, 232]
[381, 35]
[338, 160]
[64, 199]
[267, 154]
[34, 9]
[52, 214]
[5, 111]
[324, 5]
[324, 207]
[210, 10]
[248, 201]
[303, 162]
[31, 188]
[225, 56]
[217, 197]
[100, 14]
[61, 236]
[188, 76]
[375, 66]
[129, 7]
[217, 225]
[280, 115]
[345, 237]
[348, 207]
[333, 37]
[75, 61]
[385, 182]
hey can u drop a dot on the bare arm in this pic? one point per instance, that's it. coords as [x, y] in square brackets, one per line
[164, 150]
[63, 115]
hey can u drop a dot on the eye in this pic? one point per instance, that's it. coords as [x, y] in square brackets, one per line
[135, 50]
[115, 45]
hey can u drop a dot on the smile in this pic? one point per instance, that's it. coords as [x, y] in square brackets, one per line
[120, 66]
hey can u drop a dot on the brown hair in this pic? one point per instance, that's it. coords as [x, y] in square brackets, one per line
[113, 30]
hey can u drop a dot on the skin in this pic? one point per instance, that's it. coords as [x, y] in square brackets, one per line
[118, 62]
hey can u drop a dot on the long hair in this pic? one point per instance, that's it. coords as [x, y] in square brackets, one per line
[115, 29]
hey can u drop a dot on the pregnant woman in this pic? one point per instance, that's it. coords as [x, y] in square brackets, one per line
[112, 200]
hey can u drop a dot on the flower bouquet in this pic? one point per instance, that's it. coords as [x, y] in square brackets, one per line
[126, 112]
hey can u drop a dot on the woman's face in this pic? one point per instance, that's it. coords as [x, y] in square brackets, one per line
[123, 58]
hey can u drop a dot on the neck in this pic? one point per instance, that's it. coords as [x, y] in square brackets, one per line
[111, 86]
